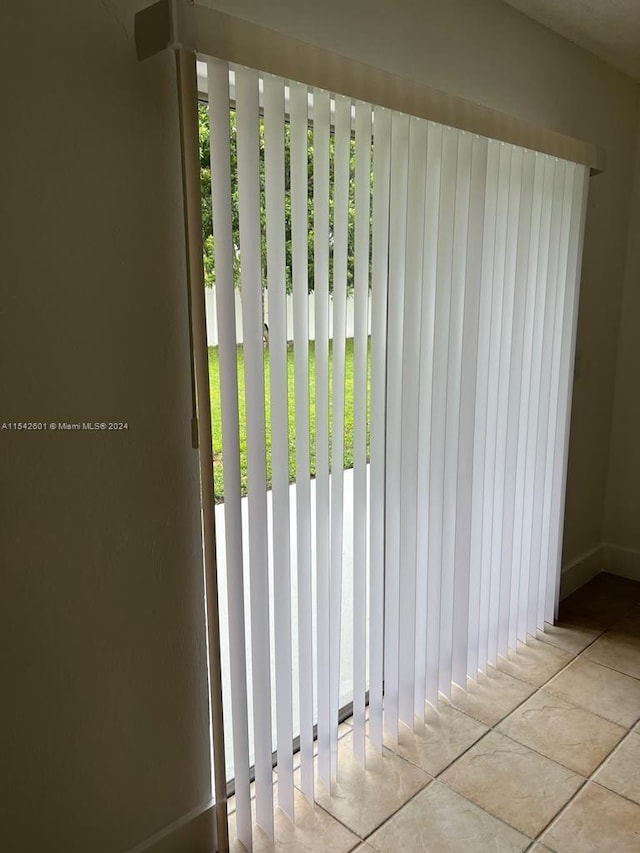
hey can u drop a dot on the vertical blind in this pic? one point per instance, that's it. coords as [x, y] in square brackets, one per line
[442, 548]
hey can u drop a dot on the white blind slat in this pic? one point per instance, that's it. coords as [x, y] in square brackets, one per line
[491, 525]
[482, 496]
[452, 424]
[544, 399]
[360, 347]
[299, 230]
[480, 568]
[397, 259]
[526, 585]
[563, 247]
[379, 270]
[427, 321]
[247, 117]
[278, 375]
[520, 577]
[503, 567]
[321, 120]
[464, 591]
[509, 599]
[218, 76]
[439, 410]
[340, 251]
[409, 413]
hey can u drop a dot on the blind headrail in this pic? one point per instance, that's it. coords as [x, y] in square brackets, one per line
[213, 33]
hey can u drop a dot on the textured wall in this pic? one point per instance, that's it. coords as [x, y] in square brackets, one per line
[105, 724]
[622, 519]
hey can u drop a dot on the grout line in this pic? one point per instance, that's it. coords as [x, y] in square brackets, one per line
[493, 728]
[453, 761]
[490, 728]
[575, 656]
[534, 690]
[590, 778]
[363, 838]
[615, 749]
[571, 702]
[570, 801]
[436, 777]
[612, 668]
[430, 779]
[512, 711]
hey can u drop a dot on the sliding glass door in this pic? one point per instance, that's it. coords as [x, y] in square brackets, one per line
[393, 421]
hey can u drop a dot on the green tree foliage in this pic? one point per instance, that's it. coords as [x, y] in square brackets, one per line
[207, 225]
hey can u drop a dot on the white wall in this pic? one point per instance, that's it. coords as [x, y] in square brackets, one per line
[487, 51]
[622, 518]
[103, 710]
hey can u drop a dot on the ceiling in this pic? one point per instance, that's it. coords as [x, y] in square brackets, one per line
[608, 28]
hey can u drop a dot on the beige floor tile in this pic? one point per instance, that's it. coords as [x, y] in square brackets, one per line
[604, 691]
[490, 698]
[562, 731]
[534, 662]
[540, 848]
[364, 798]
[314, 832]
[445, 734]
[621, 772]
[618, 650]
[439, 820]
[597, 821]
[568, 637]
[513, 782]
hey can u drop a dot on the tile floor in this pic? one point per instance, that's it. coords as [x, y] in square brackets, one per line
[540, 754]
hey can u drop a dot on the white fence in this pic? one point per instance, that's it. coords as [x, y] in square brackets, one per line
[212, 321]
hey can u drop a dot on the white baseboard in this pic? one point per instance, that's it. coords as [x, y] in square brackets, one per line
[193, 833]
[580, 571]
[621, 561]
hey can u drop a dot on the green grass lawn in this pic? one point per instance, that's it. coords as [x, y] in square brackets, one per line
[216, 414]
